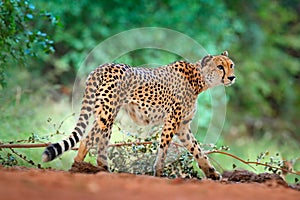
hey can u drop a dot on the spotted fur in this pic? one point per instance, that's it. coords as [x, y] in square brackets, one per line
[165, 95]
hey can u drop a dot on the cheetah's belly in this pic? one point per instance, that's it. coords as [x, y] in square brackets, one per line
[145, 115]
[134, 120]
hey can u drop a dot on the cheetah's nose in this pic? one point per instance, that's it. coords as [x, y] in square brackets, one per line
[231, 78]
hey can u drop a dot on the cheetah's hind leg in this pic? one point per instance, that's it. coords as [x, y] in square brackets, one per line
[82, 151]
[85, 145]
[95, 138]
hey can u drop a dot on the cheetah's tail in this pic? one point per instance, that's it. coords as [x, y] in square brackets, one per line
[56, 149]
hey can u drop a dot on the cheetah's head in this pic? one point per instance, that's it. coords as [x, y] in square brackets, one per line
[218, 70]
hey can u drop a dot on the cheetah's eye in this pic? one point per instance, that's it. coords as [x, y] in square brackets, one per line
[220, 67]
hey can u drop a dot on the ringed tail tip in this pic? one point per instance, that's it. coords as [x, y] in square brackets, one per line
[45, 157]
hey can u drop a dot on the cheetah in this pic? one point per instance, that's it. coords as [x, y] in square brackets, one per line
[165, 95]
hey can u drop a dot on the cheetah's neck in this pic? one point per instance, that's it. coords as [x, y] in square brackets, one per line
[198, 79]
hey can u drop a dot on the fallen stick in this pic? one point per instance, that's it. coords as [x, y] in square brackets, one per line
[47, 144]
[23, 145]
[249, 163]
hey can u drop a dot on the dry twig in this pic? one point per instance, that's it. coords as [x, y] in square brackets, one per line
[252, 162]
[249, 163]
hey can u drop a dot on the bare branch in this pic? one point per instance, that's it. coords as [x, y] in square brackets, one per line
[23, 145]
[252, 162]
[47, 144]
[249, 163]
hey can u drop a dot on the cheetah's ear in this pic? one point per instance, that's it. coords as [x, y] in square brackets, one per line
[205, 60]
[225, 53]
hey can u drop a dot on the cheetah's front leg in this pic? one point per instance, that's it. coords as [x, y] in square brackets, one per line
[188, 140]
[169, 130]
[161, 154]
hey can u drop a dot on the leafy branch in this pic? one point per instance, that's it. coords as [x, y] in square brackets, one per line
[214, 151]
[249, 163]
[22, 34]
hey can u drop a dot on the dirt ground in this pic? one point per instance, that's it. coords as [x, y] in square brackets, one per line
[36, 184]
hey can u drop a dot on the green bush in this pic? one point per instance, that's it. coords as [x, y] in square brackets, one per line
[23, 32]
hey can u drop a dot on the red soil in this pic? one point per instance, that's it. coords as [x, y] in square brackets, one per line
[34, 184]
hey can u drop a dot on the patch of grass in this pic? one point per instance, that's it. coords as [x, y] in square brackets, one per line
[27, 110]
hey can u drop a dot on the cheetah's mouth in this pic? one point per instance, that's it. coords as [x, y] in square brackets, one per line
[229, 84]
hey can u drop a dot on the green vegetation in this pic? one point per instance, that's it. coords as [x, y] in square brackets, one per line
[42, 44]
[22, 33]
